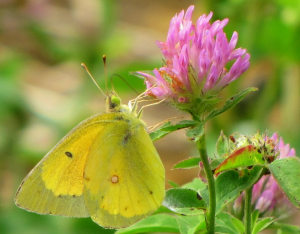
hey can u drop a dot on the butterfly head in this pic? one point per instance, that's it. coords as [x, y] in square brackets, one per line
[113, 103]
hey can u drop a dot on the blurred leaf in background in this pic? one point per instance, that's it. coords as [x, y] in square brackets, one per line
[44, 92]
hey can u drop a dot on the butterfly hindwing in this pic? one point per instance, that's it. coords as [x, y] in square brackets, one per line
[125, 181]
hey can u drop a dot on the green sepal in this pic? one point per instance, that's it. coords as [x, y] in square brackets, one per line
[210, 100]
[196, 132]
[222, 145]
[149, 72]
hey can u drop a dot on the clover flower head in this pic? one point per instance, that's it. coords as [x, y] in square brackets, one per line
[195, 55]
[266, 194]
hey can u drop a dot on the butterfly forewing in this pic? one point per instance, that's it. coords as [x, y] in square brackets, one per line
[55, 185]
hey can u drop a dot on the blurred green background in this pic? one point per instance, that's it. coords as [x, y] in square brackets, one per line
[44, 92]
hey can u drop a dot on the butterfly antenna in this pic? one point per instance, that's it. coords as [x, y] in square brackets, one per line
[112, 85]
[105, 71]
[88, 72]
[111, 79]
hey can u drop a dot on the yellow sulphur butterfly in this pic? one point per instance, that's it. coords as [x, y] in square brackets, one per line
[106, 168]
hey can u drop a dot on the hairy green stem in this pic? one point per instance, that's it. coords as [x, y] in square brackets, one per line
[248, 210]
[211, 211]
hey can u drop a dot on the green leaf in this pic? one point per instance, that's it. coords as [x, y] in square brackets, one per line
[159, 133]
[204, 194]
[286, 173]
[196, 184]
[192, 162]
[153, 223]
[254, 217]
[190, 224]
[163, 209]
[262, 224]
[242, 157]
[238, 224]
[180, 125]
[223, 229]
[184, 201]
[230, 184]
[196, 132]
[168, 128]
[286, 228]
[227, 223]
[231, 102]
[174, 184]
[216, 162]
